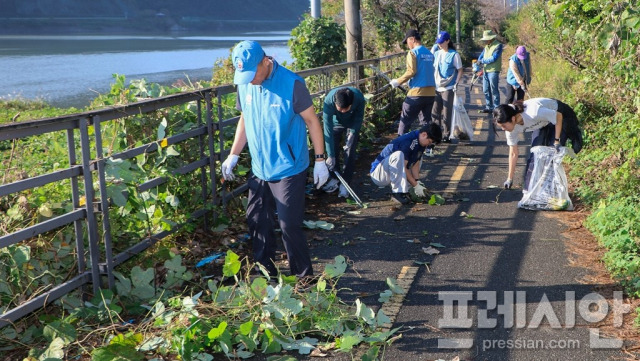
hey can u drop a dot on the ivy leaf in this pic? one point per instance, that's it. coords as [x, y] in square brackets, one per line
[259, 287]
[60, 330]
[21, 255]
[116, 352]
[393, 286]
[55, 350]
[215, 333]
[371, 354]
[231, 264]
[172, 200]
[246, 328]
[364, 312]
[348, 340]
[382, 319]
[385, 296]
[436, 199]
[141, 280]
[172, 152]
[321, 286]
[336, 269]
[161, 129]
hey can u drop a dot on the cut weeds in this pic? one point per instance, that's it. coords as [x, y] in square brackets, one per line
[239, 316]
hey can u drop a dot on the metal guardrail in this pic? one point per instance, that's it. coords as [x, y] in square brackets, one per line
[90, 164]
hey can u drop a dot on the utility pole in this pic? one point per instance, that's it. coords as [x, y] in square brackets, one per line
[439, 11]
[458, 25]
[354, 33]
[315, 9]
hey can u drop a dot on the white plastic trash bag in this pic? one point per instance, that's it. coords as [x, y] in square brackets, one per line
[460, 123]
[548, 183]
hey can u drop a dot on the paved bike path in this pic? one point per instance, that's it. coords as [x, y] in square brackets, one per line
[492, 251]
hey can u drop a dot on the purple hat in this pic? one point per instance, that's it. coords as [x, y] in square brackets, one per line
[521, 52]
[442, 37]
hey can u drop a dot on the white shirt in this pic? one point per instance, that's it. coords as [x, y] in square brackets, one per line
[538, 112]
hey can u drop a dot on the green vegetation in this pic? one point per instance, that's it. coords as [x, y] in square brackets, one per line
[317, 42]
[585, 53]
[121, 322]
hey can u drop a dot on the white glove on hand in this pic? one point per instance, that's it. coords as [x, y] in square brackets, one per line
[330, 162]
[320, 174]
[419, 190]
[394, 83]
[508, 183]
[228, 165]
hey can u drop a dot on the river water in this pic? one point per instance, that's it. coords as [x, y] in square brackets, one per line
[71, 70]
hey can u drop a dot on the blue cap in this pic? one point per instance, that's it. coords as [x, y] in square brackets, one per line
[442, 37]
[246, 56]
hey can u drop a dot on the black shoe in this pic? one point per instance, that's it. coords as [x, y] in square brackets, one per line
[400, 198]
[485, 110]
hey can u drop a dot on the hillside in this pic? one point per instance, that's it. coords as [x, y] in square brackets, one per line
[64, 16]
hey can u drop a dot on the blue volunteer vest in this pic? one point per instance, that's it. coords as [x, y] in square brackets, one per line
[446, 67]
[277, 137]
[424, 68]
[520, 64]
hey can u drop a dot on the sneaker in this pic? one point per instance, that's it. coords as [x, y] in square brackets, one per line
[331, 186]
[343, 192]
[400, 198]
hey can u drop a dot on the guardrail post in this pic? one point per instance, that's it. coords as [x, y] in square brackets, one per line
[75, 198]
[94, 251]
[203, 169]
[212, 160]
[104, 202]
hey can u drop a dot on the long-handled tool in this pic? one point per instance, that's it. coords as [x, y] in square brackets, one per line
[385, 77]
[351, 192]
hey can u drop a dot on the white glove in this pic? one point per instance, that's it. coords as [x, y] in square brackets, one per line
[508, 183]
[228, 165]
[419, 190]
[394, 83]
[330, 162]
[320, 174]
[455, 88]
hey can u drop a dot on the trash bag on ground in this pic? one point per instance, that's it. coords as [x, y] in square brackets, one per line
[548, 186]
[460, 123]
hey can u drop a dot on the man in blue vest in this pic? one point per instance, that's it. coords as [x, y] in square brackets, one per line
[422, 84]
[276, 111]
[342, 114]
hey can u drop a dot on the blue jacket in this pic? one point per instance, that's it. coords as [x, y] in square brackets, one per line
[277, 137]
[408, 144]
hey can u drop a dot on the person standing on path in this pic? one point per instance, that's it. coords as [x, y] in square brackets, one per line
[448, 72]
[551, 122]
[518, 74]
[422, 90]
[491, 59]
[342, 115]
[398, 164]
[276, 110]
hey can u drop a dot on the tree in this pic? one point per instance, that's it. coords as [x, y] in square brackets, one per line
[317, 42]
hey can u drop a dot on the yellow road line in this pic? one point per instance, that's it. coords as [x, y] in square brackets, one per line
[455, 178]
[392, 307]
[479, 122]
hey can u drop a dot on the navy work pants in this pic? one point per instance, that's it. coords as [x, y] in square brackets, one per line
[286, 197]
